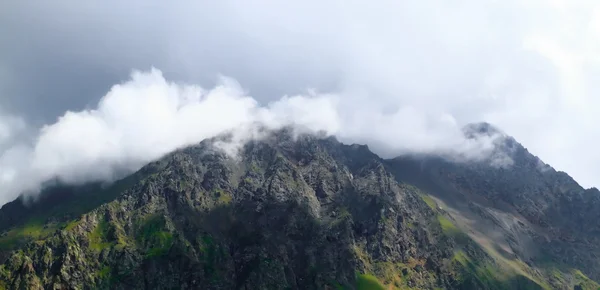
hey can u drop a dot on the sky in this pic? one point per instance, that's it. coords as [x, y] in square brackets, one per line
[90, 88]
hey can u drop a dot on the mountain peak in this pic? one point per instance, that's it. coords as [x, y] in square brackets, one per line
[481, 129]
[304, 211]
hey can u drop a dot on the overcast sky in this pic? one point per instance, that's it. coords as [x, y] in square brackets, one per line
[413, 72]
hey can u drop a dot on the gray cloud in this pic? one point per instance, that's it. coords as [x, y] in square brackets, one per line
[423, 68]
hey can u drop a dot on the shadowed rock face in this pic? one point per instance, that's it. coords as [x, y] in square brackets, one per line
[299, 213]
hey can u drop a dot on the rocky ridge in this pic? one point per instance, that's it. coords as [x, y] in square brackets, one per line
[303, 213]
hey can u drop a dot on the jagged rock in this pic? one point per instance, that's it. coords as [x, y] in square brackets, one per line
[289, 212]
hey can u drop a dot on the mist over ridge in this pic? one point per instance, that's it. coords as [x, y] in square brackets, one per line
[148, 116]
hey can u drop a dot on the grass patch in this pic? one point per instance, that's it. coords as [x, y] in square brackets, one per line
[223, 197]
[154, 237]
[557, 275]
[71, 225]
[161, 244]
[104, 272]
[583, 281]
[462, 258]
[389, 275]
[450, 230]
[20, 235]
[476, 274]
[392, 273]
[429, 201]
[447, 226]
[207, 244]
[368, 282]
[98, 237]
[3, 277]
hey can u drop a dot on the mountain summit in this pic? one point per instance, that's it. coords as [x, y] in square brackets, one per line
[305, 212]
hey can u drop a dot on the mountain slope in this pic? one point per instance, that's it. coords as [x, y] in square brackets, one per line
[305, 213]
[526, 210]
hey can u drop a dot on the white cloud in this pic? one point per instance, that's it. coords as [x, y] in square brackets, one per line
[404, 74]
[142, 119]
[10, 127]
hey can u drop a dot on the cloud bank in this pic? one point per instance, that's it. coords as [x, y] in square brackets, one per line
[146, 117]
[421, 68]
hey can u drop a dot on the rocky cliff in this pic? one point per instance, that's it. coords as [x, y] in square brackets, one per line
[307, 213]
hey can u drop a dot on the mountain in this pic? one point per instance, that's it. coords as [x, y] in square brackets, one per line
[305, 212]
